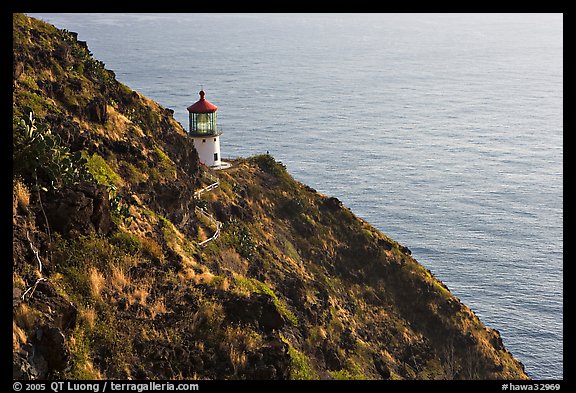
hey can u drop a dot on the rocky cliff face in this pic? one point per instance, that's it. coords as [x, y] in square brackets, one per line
[110, 281]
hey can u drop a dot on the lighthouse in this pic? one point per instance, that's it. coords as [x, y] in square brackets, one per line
[204, 132]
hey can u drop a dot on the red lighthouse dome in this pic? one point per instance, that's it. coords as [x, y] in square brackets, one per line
[202, 105]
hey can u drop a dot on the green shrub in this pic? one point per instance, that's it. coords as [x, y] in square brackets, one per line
[152, 248]
[40, 158]
[80, 351]
[101, 171]
[29, 82]
[352, 371]
[85, 251]
[105, 175]
[127, 241]
[268, 164]
[240, 238]
[293, 207]
[256, 286]
[300, 366]
[342, 374]
[77, 284]
[135, 175]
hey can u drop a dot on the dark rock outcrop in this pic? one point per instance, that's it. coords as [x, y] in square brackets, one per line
[51, 345]
[18, 69]
[496, 340]
[84, 208]
[45, 354]
[382, 368]
[97, 111]
[270, 319]
[272, 362]
[258, 310]
[175, 201]
[331, 357]
[333, 203]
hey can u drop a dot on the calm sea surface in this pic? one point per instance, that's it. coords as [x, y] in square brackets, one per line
[445, 131]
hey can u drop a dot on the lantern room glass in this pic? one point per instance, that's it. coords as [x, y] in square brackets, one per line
[203, 123]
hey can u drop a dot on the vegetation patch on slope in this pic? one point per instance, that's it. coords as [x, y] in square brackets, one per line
[110, 280]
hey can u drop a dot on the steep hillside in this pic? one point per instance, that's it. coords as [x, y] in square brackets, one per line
[110, 280]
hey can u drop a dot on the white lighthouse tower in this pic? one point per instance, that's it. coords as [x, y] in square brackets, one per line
[204, 132]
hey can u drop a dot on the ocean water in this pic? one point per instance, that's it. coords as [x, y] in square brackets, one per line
[445, 131]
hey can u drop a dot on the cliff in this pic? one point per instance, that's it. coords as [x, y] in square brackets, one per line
[110, 280]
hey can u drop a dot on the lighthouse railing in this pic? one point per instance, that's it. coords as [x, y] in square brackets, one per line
[207, 188]
[215, 184]
[213, 221]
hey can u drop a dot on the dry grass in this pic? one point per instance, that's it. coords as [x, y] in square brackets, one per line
[235, 344]
[316, 336]
[118, 124]
[139, 296]
[210, 197]
[199, 345]
[238, 359]
[87, 316]
[142, 222]
[245, 339]
[202, 235]
[17, 281]
[179, 246]
[127, 262]
[223, 284]
[233, 261]
[97, 283]
[24, 316]
[205, 277]
[18, 336]
[152, 248]
[159, 307]
[186, 275]
[210, 313]
[89, 370]
[119, 280]
[21, 196]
